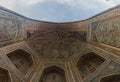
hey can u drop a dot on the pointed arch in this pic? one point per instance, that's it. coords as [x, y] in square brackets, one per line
[111, 78]
[21, 59]
[88, 63]
[4, 75]
[53, 74]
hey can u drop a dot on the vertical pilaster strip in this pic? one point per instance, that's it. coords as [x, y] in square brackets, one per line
[76, 73]
[70, 75]
[71, 72]
[68, 78]
[38, 72]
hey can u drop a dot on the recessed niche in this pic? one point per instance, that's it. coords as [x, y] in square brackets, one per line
[111, 78]
[21, 59]
[53, 74]
[4, 75]
[88, 63]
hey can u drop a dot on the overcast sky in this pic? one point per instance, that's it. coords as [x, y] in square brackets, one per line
[59, 10]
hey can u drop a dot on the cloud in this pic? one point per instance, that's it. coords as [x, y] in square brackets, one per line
[73, 3]
[59, 10]
[87, 3]
[7, 3]
[31, 2]
[12, 4]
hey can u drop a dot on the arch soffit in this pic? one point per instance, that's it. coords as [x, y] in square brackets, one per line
[56, 65]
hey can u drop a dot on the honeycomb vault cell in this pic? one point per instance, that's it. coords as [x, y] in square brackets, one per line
[88, 63]
[53, 74]
[4, 75]
[21, 59]
[111, 78]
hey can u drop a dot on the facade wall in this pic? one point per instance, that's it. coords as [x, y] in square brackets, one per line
[103, 31]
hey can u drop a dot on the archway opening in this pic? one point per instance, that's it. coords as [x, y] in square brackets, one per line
[111, 78]
[53, 74]
[21, 59]
[88, 63]
[4, 75]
